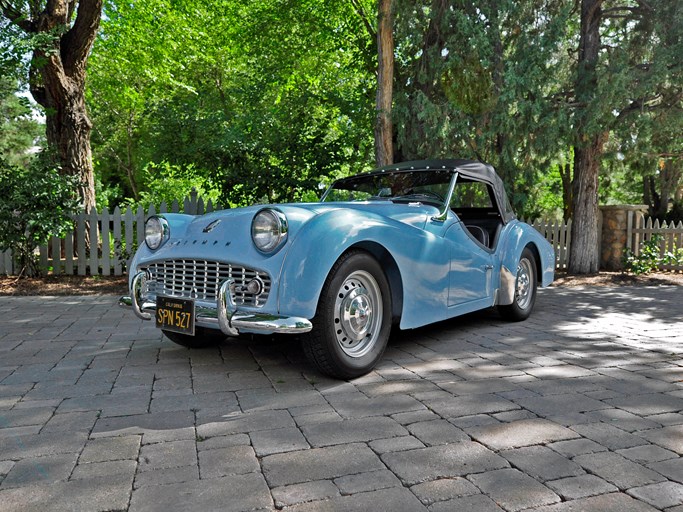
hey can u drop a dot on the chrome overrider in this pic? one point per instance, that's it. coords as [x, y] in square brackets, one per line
[224, 315]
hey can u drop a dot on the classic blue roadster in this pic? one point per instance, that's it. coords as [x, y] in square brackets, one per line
[406, 245]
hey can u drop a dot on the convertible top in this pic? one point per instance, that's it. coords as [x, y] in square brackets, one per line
[471, 169]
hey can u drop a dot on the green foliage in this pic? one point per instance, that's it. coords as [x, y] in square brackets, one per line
[37, 203]
[651, 257]
[18, 130]
[166, 182]
[265, 99]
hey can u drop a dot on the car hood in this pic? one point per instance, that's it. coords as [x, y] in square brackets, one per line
[225, 223]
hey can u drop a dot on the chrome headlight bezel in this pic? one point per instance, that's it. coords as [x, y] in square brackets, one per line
[269, 230]
[157, 231]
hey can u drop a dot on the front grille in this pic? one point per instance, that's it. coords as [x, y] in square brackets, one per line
[201, 280]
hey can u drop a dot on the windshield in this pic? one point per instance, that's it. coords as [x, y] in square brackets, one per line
[398, 186]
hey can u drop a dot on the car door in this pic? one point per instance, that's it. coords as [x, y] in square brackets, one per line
[471, 240]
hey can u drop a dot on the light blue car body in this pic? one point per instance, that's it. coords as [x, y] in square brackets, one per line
[435, 268]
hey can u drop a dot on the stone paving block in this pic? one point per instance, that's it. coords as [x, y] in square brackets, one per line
[478, 386]
[469, 405]
[618, 470]
[267, 442]
[142, 423]
[574, 447]
[520, 433]
[667, 419]
[71, 422]
[5, 467]
[104, 469]
[351, 431]
[301, 493]
[542, 463]
[614, 502]
[111, 448]
[234, 460]
[235, 493]
[624, 420]
[247, 422]
[406, 418]
[478, 502]
[171, 434]
[476, 420]
[646, 405]
[564, 371]
[18, 417]
[516, 415]
[40, 470]
[581, 486]
[38, 445]
[213, 443]
[609, 436]
[442, 490]
[319, 463]
[380, 406]
[384, 500]
[451, 460]
[167, 476]
[557, 405]
[365, 482]
[167, 455]
[670, 438]
[83, 495]
[396, 444]
[662, 495]
[672, 469]
[646, 454]
[437, 432]
[513, 490]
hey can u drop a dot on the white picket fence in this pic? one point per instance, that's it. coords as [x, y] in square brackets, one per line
[117, 233]
[641, 229]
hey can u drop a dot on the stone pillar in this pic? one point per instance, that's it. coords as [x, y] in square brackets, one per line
[614, 234]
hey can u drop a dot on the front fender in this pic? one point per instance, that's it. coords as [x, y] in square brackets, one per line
[421, 257]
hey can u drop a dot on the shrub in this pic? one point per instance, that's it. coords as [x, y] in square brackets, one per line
[650, 258]
[36, 202]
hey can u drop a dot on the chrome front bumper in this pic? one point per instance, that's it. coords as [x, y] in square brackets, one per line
[223, 315]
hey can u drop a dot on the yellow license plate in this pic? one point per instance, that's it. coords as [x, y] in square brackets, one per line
[175, 315]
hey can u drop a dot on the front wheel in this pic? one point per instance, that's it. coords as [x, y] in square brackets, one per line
[525, 289]
[353, 320]
[202, 338]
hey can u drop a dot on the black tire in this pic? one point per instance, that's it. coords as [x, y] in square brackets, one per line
[350, 345]
[202, 338]
[526, 284]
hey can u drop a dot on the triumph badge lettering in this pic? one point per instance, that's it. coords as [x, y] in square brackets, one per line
[176, 315]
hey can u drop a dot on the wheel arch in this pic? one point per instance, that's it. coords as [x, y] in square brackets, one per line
[391, 271]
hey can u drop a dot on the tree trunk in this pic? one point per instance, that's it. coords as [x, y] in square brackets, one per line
[566, 177]
[385, 82]
[584, 253]
[57, 78]
[67, 124]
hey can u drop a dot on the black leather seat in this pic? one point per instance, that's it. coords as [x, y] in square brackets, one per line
[479, 234]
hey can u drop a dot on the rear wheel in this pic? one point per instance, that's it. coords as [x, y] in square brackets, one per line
[202, 338]
[353, 321]
[525, 289]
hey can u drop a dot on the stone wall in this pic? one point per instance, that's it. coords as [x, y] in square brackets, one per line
[614, 229]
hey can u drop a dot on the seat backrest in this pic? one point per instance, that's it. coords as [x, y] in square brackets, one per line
[479, 234]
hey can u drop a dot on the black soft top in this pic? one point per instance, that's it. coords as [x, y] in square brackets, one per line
[471, 169]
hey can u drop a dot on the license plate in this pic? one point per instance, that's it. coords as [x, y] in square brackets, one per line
[176, 315]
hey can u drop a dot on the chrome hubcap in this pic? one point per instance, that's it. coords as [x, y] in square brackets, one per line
[358, 314]
[523, 287]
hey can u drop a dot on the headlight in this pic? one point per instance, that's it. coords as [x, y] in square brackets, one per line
[268, 229]
[156, 232]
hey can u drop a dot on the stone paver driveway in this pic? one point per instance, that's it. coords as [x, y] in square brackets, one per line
[579, 408]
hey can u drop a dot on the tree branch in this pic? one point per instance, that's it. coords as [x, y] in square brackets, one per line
[77, 42]
[364, 18]
[15, 16]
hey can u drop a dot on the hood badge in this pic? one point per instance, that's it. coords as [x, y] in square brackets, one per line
[211, 225]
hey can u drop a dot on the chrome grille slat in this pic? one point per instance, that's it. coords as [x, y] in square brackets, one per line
[201, 280]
